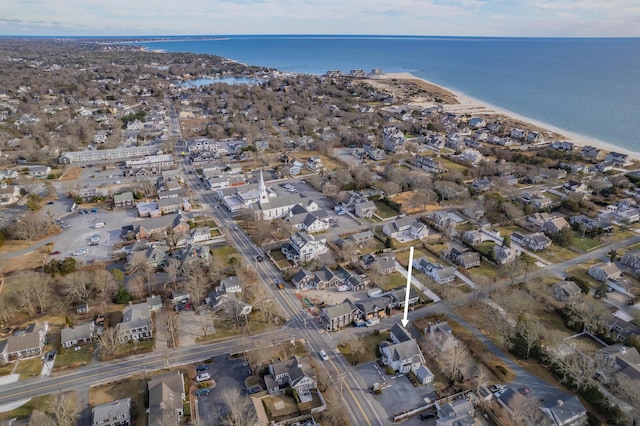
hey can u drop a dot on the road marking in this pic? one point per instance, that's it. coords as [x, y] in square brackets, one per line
[352, 394]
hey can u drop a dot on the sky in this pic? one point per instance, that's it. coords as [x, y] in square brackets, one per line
[518, 18]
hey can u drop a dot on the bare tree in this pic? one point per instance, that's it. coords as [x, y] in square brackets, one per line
[525, 410]
[33, 293]
[104, 284]
[530, 332]
[108, 341]
[456, 361]
[78, 286]
[173, 270]
[63, 409]
[135, 286]
[171, 322]
[240, 408]
[197, 282]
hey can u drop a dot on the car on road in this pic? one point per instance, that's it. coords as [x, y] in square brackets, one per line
[259, 258]
[94, 244]
[65, 226]
[94, 210]
[80, 252]
[118, 182]
[524, 390]
[53, 253]
[323, 355]
[203, 377]
[49, 203]
[201, 368]
[202, 392]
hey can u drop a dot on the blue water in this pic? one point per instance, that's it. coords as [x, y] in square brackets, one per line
[587, 86]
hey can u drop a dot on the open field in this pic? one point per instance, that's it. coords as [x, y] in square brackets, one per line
[390, 281]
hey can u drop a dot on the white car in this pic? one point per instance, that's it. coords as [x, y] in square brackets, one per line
[80, 252]
[203, 377]
[324, 355]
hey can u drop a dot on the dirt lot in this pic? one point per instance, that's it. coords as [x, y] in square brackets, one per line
[72, 173]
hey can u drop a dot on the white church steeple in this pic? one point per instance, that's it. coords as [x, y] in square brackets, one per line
[264, 195]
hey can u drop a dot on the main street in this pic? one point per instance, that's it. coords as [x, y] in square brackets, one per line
[356, 400]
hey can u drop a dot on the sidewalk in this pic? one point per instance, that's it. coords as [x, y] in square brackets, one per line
[431, 295]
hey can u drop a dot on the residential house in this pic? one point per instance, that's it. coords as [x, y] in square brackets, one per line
[27, 343]
[541, 202]
[303, 247]
[155, 256]
[471, 155]
[466, 259]
[555, 225]
[177, 224]
[396, 299]
[473, 237]
[365, 209]
[361, 238]
[604, 271]
[564, 409]
[403, 356]
[39, 171]
[170, 205]
[577, 187]
[441, 336]
[308, 222]
[9, 194]
[124, 200]
[427, 163]
[136, 323]
[474, 211]
[302, 279]
[436, 271]
[536, 241]
[477, 123]
[295, 373]
[371, 307]
[405, 229]
[618, 159]
[154, 302]
[112, 413]
[632, 260]
[192, 255]
[338, 316]
[77, 335]
[518, 134]
[166, 398]
[393, 139]
[455, 413]
[324, 278]
[619, 359]
[315, 164]
[586, 224]
[562, 146]
[505, 255]
[384, 264]
[565, 291]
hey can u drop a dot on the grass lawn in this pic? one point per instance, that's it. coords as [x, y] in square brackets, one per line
[29, 368]
[133, 387]
[367, 345]
[22, 412]
[384, 211]
[224, 252]
[403, 256]
[581, 273]
[485, 270]
[450, 165]
[507, 230]
[68, 358]
[556, 254]
[132, 348]
[585, 244]
[256, 324]
[390, 281]
[485, 247]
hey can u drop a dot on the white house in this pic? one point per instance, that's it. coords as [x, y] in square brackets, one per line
[136, 323]
[304, 247]
[436, 271]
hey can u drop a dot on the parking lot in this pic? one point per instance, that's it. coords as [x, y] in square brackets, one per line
[227, 374]
[83, 226]
[400, 396]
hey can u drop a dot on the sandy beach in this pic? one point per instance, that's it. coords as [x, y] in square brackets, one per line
[469, 105]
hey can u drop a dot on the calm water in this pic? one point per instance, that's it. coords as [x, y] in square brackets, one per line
[588, 86]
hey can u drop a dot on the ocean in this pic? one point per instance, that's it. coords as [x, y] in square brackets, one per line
[589, 86]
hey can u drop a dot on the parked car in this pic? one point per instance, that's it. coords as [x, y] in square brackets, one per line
[427, 415]
[324, 355]
[202, 368]
[203, 377]
[49, 203]
[524, 390]
[65, 226]
[54, 252]
[80, 252]
[203, 391]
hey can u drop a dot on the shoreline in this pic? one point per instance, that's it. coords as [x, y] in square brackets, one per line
[473, 106]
